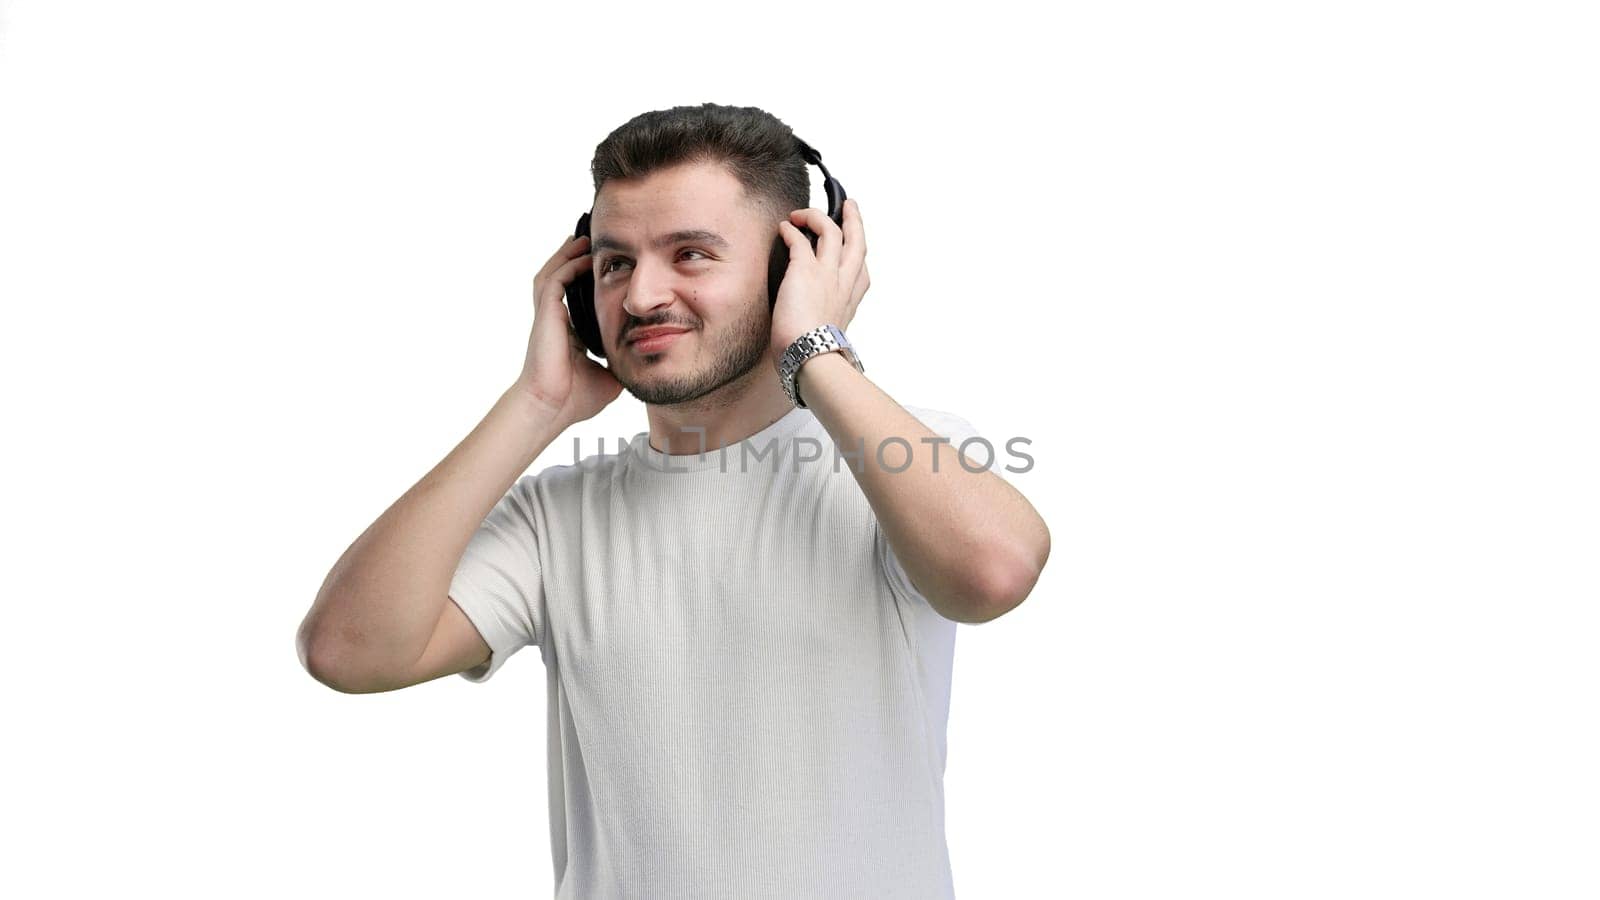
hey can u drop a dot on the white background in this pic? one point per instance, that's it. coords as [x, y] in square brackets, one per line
[1297, 304]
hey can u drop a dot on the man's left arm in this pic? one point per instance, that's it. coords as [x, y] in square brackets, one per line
[968, 541]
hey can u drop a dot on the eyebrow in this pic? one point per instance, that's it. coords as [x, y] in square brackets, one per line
[690, 235]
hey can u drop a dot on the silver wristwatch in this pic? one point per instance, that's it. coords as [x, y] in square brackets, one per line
[819, 340]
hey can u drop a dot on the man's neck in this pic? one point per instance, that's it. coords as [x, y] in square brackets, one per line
[730, 414]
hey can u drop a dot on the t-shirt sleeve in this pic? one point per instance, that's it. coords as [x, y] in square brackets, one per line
[499, 582]
[957, 430]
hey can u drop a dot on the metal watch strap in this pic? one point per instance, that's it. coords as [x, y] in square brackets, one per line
[817, 341]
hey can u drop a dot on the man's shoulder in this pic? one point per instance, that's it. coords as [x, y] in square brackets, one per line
[568, 475]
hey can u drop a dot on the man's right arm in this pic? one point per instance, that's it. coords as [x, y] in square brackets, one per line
[383, 619]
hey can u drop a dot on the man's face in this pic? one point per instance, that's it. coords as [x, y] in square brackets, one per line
[681, 248]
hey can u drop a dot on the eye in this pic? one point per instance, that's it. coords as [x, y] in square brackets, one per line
[605, 266]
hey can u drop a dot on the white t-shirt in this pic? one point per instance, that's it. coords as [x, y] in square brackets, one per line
[746, 697]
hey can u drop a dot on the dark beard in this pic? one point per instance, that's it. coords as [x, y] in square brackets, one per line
[739, 351]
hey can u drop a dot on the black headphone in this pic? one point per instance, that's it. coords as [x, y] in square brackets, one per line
[580, 293]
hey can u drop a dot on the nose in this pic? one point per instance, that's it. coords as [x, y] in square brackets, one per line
[647, 289]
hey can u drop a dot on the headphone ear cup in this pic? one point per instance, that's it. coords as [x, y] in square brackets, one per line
[777, 264]
[580, 301]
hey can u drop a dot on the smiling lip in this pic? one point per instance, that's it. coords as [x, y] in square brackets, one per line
[655, 339]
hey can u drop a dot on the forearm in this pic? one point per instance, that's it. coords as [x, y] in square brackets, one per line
[969, 541]
[380, 602]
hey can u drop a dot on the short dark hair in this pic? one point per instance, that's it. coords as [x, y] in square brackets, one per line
[751, 143]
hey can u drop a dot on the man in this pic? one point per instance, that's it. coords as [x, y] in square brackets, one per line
[748, 658]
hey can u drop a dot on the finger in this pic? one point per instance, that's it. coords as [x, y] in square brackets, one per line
[829, 237]
[564, 253]
[855, 235]
[853, 257]
[560, 253]
[832, 240]
[799, 247]
[552, 286]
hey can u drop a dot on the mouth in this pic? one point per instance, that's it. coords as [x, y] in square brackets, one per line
[655, 340]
